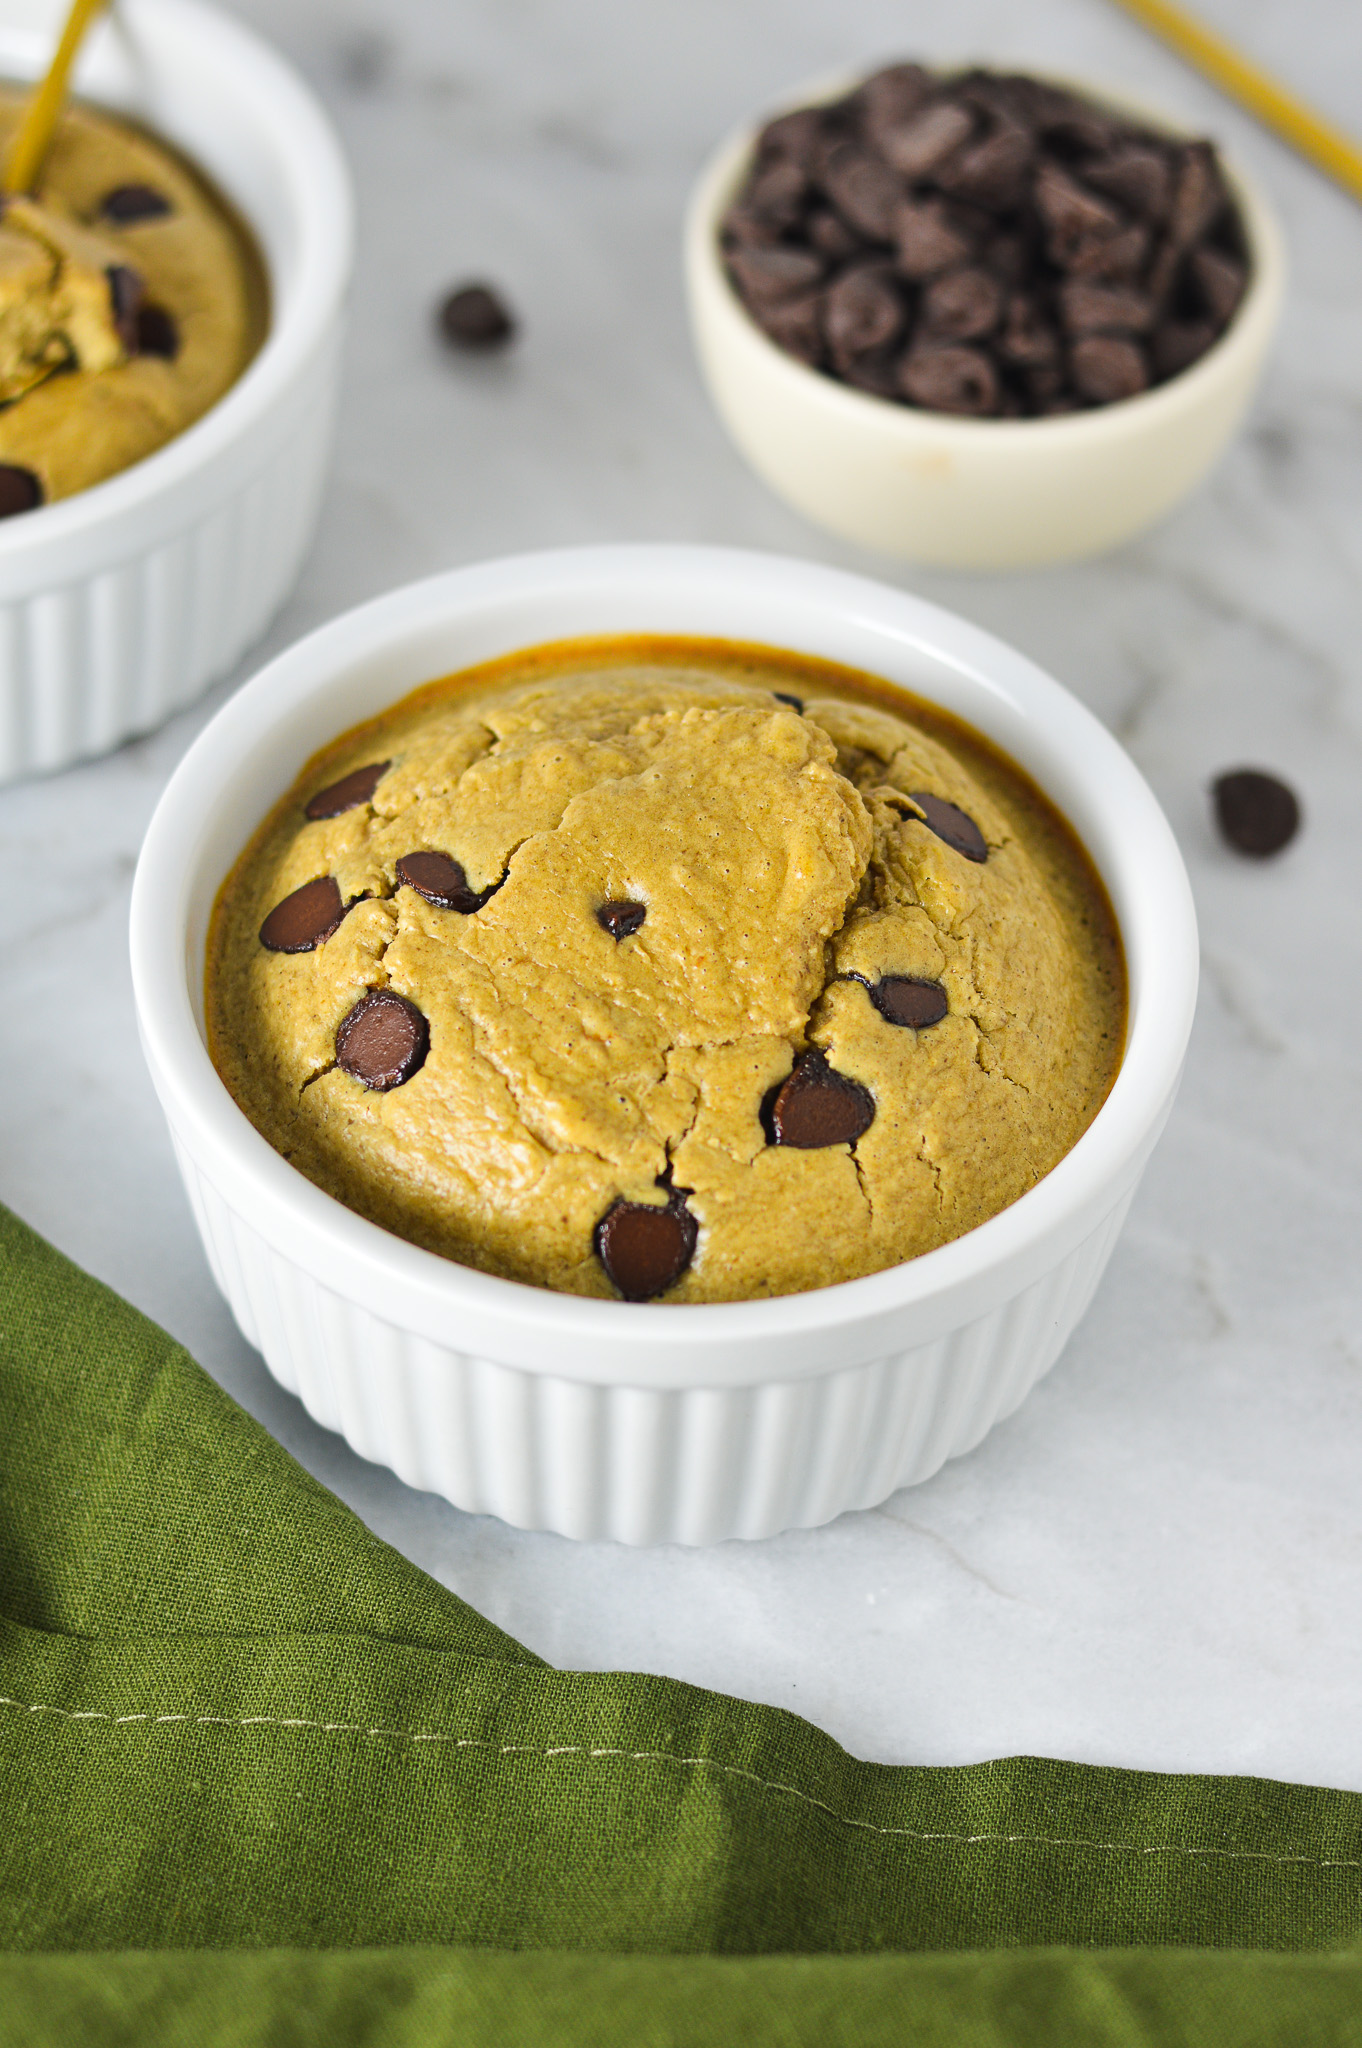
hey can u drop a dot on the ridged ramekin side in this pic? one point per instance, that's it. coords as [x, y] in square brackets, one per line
[634, 1464]
[88, 663]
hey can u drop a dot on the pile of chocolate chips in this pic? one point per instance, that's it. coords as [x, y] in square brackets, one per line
[984, 244]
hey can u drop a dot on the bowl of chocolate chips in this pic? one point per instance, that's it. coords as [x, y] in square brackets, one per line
[977, 319]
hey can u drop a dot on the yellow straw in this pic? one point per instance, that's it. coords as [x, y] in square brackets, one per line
[30, 146]
[1328, 147]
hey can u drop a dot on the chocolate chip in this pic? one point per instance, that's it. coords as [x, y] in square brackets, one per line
[962, 305]
[1113, 259]
[383, 1041]
[157, 333]
[796, 325]
[929, 239]
[795, 135]
[125, 296]
[864, 190]
[777, 192]
[1106, 367]
[959, 380]
[1137, 175]
[993, 172]
[645, 1248]
[1072, 215]
[817, 1106]
[1027, 338]
[1198, 195]
[346, 795]
[1104, 308]
[829, 234]
[950, 823]
[304, 919]
[764, 276]
[1177, 344]
[1256, 813]
[442, 881]
[620, 917]
[1219, 281]
[862, 312]
[914, 147]
[134, 202]
[784, 697]
[475, 317]
[907, 1000]
[20, 490]
[889, 99]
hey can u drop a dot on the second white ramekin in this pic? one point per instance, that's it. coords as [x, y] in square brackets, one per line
[650, 1423]
[121, 604]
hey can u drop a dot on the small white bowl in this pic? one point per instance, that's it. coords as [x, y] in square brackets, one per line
[970, 493]
[652, 1423]
[124, 602]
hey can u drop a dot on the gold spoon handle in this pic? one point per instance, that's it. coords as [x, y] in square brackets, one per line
[1334, 152]
[29, 149]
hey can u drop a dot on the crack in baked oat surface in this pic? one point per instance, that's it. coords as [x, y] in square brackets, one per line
[691, 916]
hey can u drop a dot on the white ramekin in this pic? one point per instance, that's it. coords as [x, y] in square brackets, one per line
[651, 1423]
[967, 493]
[124, 602]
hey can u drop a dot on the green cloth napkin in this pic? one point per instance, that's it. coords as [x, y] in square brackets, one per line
[266, 1781]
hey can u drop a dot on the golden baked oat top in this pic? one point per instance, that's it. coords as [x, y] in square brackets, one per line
[666, 968]
[131, 298]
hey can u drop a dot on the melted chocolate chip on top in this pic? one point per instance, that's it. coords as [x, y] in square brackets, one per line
[20, 490]
[441, 880]
[305, 919]
[383, 1041]
[905, 999]
[349, 793]
[620, 917]
[817, 1106]
[645, 1249]
[127, 203]
[950, 823]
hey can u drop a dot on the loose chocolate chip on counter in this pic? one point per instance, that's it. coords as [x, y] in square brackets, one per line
[904, 999]
[304, 919]
[128, 203]
[157, 333]
[621, 918]
[349, 793]
[645, 1249]
[383, 1041]
[962, 305]
[950, 823]
[1106, 367]
[959, 380]
[20, 490]
[784, 697]
[1257, 814]
[442, 881]
[475, 317]
[125, 297]
[817, 1106]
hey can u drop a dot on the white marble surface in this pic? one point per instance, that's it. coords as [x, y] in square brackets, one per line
[1158, 1561]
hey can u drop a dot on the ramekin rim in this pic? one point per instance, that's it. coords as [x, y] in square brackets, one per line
[325, 191]
[1259, 305]
[1094, 1171]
